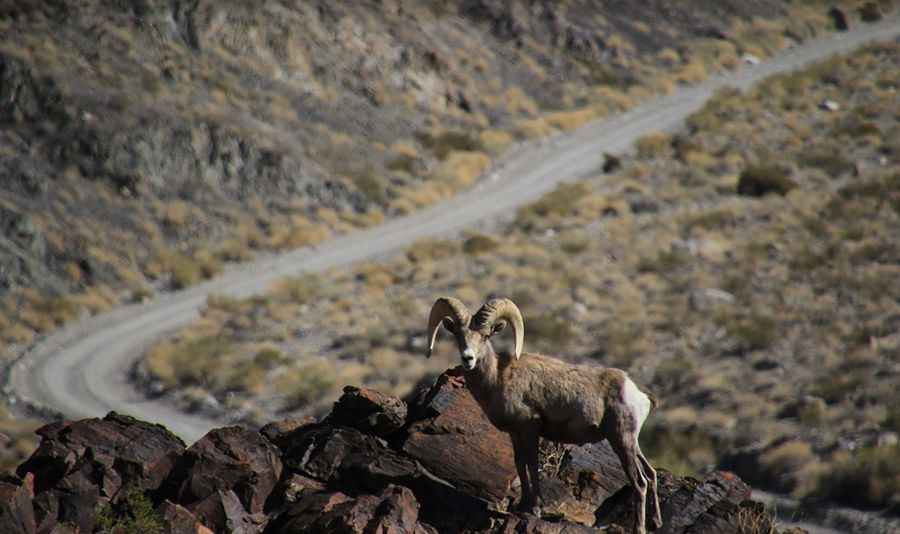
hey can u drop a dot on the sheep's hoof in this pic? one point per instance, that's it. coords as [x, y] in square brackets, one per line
[655, 523]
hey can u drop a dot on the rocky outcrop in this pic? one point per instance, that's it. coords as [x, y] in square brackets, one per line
[375, 464]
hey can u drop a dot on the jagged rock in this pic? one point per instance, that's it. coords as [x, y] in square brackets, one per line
[453, 439]
[369, 411]
[394, 511]
[81, 464]
[225, 460]
[533, 525]
[345, 459]
[116, 450]
[587, 476]
[180, 520]
[438, 473]
[276, 430]
[16, 509]
[687, 504]
[293, 487]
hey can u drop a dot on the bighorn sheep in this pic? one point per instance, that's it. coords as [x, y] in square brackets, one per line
[540, 396]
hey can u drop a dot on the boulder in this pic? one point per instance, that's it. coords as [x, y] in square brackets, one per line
[453, 439]
[276, 430]
[226, 462]
[81, 465]
[394, 511]
[16, 509]
[116, 451]
[529, 524]
[687, 504]
[180, 520]
[347, 460]
[369, 411]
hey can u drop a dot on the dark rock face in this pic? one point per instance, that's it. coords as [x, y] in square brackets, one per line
[456, 442]
[116, 450]
[375, 464]
[369, 411]
[81, 465]
[394, 511]
[226, 476]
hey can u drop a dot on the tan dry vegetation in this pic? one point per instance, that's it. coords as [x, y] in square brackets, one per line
[189, 140]
[765, 319]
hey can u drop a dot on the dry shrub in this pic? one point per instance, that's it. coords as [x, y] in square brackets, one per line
[532, 129]
[653, 145]
[865, 478]
[443, 144]
[495, 141]
[759, 180]
[461, 169]
[476, 243]
[570, 120]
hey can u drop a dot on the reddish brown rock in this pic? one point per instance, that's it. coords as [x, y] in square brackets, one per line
[394, 511]
[223, 511]
[369, 411]
[16, 509]
[358, 463]
[533, 525]
[111, 452]
[687, 504]
[230, 459]
[453, 439]
[277, 430]
[180, 520]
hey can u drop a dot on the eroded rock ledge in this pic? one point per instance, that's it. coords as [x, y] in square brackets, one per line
[375, 464]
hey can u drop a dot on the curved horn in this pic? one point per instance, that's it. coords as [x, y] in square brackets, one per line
[500, 309]
[445, 307]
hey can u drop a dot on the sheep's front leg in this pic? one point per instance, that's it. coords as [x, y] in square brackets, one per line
[525, 447]
[525, 452]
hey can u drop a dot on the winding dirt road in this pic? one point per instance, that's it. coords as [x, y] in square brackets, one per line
[81, 371]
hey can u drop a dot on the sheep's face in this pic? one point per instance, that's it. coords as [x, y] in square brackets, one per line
[473, 344]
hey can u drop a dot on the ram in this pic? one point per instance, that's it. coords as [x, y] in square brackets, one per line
[532, 396]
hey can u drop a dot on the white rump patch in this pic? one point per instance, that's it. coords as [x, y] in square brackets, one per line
[637, 402]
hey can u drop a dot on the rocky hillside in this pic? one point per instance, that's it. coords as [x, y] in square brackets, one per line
[143, 144]
[742, 267]
[374, 464]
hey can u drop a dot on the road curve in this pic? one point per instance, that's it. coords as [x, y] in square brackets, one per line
[81, 370]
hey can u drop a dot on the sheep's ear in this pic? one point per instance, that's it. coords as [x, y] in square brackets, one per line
[498, 326]
[449, 325]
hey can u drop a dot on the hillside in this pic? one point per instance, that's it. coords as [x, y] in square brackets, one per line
[742, 268]
[146, 144]
[178, 177]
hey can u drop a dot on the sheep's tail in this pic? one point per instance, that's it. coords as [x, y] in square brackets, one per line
[654, 401]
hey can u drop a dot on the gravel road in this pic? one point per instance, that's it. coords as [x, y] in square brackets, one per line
[81, 371]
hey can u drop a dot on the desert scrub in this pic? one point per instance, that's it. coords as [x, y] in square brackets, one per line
[193, 362]
[562, 201]
[751, 330]
[477, 243]
[761, 179]
[442, 144]
[865, 478]
[653, 145]
[132, 513]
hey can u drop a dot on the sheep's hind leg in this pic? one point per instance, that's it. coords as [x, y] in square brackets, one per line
[623, 443]
[650, 474]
